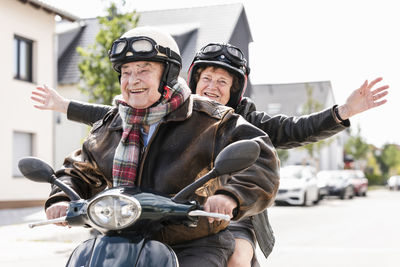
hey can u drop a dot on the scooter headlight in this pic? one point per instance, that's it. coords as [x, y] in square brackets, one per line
[114, 212]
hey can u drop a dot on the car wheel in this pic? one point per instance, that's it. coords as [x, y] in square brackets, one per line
[305, 204]
[351, 193]
[342, 193]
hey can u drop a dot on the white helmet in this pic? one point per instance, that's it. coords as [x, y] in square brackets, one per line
[147, 44]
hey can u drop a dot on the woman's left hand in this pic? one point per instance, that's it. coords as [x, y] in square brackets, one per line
[363, 98]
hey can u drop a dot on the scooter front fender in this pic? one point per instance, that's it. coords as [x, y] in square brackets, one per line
[122, 251]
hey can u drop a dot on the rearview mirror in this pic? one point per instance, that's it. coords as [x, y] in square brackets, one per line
[237, 157]
[233, 158]
[36, 170]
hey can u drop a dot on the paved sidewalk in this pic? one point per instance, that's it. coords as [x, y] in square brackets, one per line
[44, 246]
[15, 216]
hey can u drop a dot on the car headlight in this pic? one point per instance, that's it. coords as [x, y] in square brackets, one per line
[114, 212]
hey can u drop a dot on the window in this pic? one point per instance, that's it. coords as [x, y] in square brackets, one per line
[22, 147]
[22, 59]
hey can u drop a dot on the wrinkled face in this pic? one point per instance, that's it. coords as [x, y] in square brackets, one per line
[139, 83]
[215, 83]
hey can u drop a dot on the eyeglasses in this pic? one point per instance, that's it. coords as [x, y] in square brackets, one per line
[141, 47]
[232, 52]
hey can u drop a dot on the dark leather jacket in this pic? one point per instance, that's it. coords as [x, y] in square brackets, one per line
[284, 132]
[288, 131]
[182, 148]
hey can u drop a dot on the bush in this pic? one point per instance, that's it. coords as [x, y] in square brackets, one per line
[375, 179]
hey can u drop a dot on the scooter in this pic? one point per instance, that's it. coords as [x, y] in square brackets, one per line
[127, 217]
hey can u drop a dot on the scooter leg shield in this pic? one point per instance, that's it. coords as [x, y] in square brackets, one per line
[155, 253]
[121, 252]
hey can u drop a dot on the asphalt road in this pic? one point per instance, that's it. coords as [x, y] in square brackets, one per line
[360, 232]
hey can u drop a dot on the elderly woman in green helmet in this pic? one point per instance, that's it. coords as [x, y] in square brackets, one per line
[220, 72]
[150, 138]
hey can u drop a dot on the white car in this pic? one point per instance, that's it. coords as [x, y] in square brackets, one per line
[298, 186]
[394, 182]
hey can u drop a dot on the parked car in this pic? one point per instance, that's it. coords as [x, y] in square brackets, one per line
[339, 184]
[360, 183]
[323, 186]
[394, 182]
[298, 186]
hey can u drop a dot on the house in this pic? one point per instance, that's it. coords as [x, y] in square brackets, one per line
[192, 28]
[290, 99]
[28, 45]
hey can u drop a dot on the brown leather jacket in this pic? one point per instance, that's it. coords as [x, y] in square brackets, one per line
[182, 149]
[284, 132]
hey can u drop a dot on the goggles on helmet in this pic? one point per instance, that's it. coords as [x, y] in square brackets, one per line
[224, 52]
[141, 47]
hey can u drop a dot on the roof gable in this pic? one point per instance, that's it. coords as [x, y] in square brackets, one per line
[192, 28]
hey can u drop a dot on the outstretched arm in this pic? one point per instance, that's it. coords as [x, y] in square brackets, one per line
[47, 98]
[289, 132]
[363, 98]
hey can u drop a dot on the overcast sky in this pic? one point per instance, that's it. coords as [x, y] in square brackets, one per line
[343, 41]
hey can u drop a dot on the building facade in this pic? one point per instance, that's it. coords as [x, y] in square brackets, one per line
[27, 34]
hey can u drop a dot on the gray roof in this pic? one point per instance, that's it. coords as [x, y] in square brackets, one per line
[192, 28]
[211, 24]
[83, 36]
[289, 98]
[50, 9]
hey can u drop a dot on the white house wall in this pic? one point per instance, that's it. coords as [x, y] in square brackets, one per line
[15, 104]
[69, 135]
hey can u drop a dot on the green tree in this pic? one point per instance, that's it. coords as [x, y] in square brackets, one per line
[310, 106]
[389, 159]
[356, 146]
[372, 170]
[98, 78]
[283, 155]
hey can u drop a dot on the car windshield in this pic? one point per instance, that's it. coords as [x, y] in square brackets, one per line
[330, 175]
[291, 172]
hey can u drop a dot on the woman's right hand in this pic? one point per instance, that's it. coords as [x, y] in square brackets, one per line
[57, 210]
[48, 99]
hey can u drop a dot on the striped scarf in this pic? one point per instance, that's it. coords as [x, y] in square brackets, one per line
[126, 158]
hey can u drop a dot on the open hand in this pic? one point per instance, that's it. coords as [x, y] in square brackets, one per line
[364, 98]
[48, 99]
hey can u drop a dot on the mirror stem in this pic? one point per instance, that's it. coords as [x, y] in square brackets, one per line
[183, 195]
[67, 190]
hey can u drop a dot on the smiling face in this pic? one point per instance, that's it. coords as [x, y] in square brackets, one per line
[139, 83]
[215, 83]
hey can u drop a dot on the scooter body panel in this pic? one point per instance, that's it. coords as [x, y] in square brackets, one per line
[122, 251]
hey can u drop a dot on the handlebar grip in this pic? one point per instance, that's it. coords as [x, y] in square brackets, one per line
[202, 213]
[57, 220]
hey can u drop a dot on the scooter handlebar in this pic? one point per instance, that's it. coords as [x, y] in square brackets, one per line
[203, 213]
[56, 220]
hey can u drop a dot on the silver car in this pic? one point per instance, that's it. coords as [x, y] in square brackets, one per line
[298, 186]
